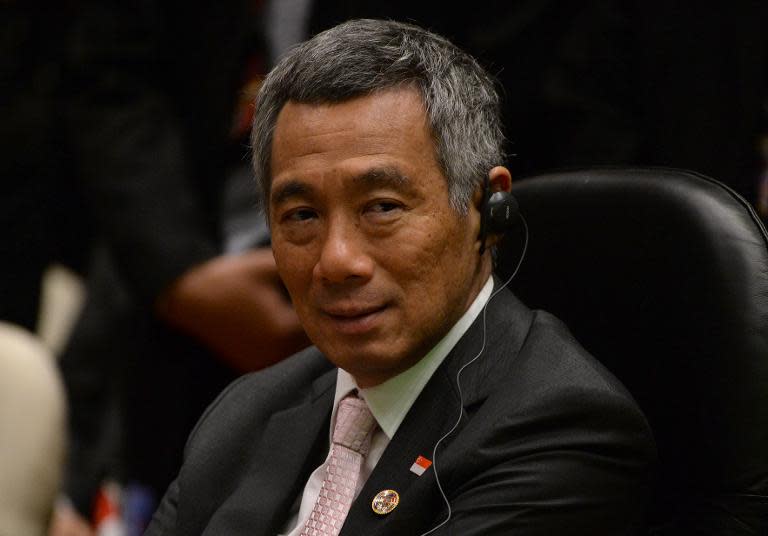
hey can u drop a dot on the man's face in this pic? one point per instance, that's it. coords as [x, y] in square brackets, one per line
[378, 264]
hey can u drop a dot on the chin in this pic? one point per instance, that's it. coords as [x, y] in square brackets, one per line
[379, 360]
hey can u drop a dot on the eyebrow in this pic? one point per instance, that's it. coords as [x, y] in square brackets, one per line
[382, 177]
[292, 188]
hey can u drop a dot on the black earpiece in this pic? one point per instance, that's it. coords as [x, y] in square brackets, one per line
[499, 213]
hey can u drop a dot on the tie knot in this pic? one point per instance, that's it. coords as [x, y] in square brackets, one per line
[354, 424]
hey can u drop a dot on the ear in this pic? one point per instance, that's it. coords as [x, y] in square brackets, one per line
[499, 180]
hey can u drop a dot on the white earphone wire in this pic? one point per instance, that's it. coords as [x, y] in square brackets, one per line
[458, 382]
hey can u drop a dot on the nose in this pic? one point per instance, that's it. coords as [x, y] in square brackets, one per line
[344, 256]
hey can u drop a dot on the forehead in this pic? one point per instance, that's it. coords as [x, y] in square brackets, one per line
[387, 129]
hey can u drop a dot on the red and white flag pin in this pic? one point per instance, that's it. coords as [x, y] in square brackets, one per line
[420, 465]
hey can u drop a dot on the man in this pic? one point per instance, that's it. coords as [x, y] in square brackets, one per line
[372, 144]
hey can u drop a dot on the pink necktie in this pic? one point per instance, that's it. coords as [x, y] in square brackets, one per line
[350, 443]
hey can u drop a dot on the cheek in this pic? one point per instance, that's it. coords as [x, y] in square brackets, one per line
[295, 268]
[447, 265]
[420, 263]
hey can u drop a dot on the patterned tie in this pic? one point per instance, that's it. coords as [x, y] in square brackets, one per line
[351, 441]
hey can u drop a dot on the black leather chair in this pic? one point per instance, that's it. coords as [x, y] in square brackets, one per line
[663, 275]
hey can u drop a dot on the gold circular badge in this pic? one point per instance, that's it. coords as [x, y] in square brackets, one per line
[385, 501]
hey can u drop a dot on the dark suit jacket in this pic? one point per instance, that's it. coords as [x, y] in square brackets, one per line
[549, 443]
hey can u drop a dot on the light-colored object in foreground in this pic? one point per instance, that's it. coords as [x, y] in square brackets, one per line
[63, 296]
[32, 432]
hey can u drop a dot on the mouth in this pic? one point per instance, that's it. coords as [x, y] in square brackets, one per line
[354, 320]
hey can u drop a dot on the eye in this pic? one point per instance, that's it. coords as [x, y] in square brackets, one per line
[299, 215]
[384, 207]
[297, 225]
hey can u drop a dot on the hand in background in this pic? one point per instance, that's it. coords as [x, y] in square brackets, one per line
[237, 306]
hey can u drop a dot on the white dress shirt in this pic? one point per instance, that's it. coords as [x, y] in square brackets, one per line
[389, 403]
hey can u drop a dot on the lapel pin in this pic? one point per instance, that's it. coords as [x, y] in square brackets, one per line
[420, 465]
[385, 501]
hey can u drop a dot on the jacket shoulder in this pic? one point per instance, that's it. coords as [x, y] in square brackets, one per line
[252, 398]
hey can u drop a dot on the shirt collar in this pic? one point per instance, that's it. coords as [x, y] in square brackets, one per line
[390, 401]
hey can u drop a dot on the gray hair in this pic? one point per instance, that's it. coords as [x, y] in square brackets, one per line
[362, 56]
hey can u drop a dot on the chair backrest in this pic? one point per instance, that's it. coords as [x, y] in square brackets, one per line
[663, 276]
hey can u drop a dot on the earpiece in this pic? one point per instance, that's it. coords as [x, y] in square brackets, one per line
[498, 214]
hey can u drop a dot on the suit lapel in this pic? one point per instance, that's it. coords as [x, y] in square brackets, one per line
[294, 443]
[430, 417]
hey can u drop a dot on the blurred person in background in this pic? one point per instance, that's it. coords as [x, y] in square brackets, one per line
[179, 299]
